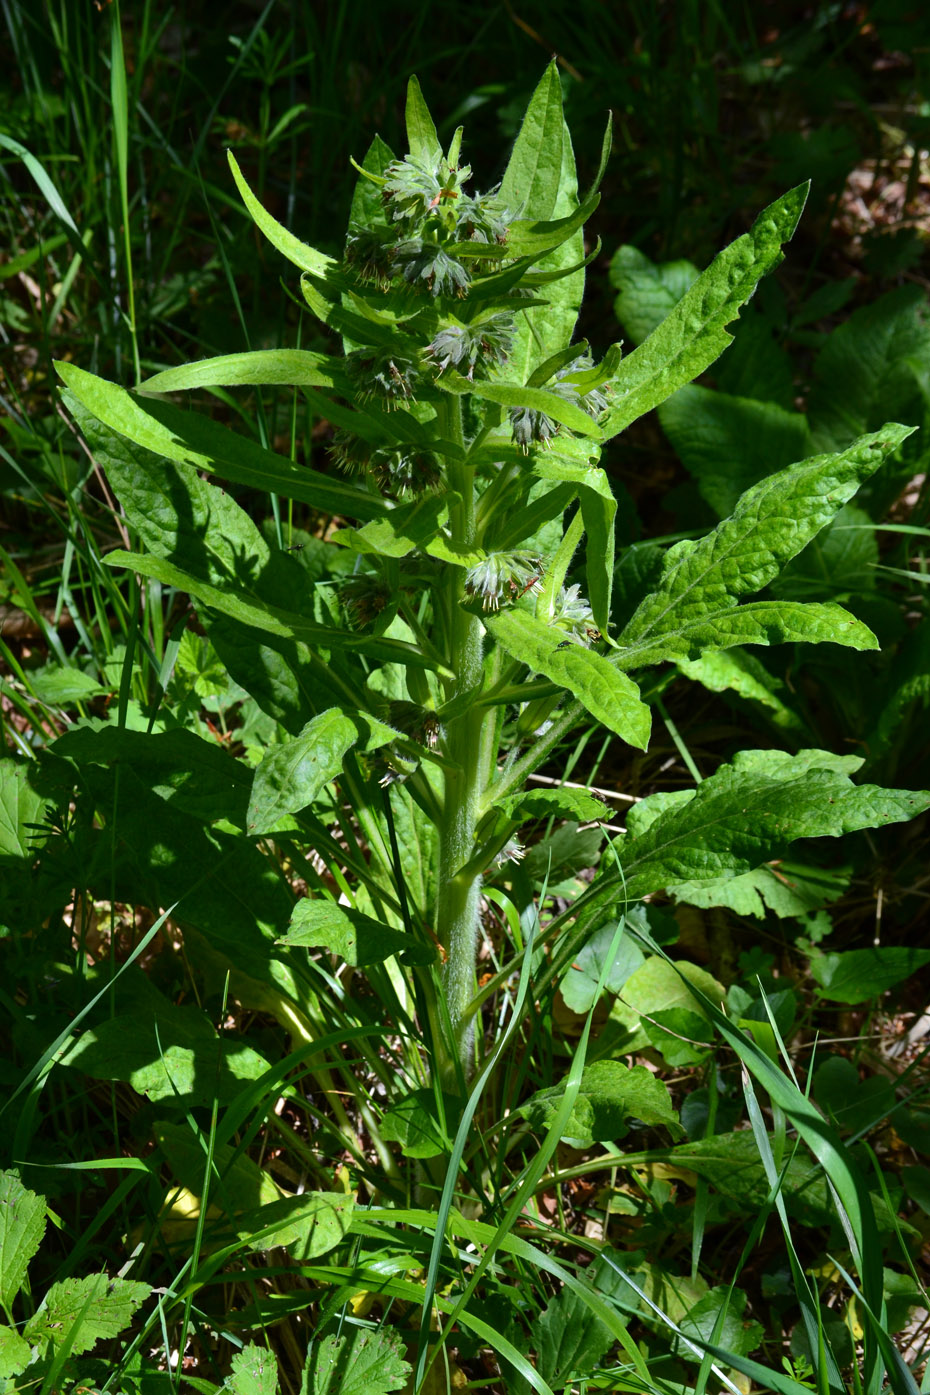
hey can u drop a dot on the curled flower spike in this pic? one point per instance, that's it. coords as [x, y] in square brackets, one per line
[368, 252]
[489, 342]
[573, 615]
[503, 576]
[530, 427]
[594, 402]
[406, 471]
[419, 259]
[363, 597]
[351, 452]
[386, 374]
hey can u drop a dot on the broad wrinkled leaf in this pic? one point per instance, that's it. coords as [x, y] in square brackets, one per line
[848, 1102]
[254, 1372]
[874, 366]
[186, 771]
[731, 1163]
[357, 938]
[190, 438]
[291, 775]
[647, 291]
[670, 1015]
[307, 1226]
[694, 333]
[788, 889]
[583, 672]
[20, 807]
[361, 1362]
[742, 673]
[840, 562]
[859, 975]
[611, 1094]
[731, 443]
[747, 813]
[543, 804]
[702, 582]
[172, 1053]
[63, 686]
[733, 1333]
[84, 1311]
[570, 1340]
[22, 1226]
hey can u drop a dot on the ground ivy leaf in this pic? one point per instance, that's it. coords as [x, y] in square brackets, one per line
[588, 675]
[254, 1372]
[357, 938]
[84, 1311]
[701, 584]
[859, 975]
[734, 1333]
[22, 1226]
[413, 1123]
[694, 334]
[610, 1094]
[291, 775]
[15, 1353]
[362, 1362]
[579, 986]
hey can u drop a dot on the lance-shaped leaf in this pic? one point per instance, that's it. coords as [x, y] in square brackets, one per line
[291, 367]
[307, 258]
[291, 775]
[532, 179]
[747, 813]
[694, 334]
[598, 507]
[403, 529]
[696, 603]
[359, 939]
[193, 439]
[22, 1225]
[526, 238]
[422, 140]
[514, 395]
[589, 676]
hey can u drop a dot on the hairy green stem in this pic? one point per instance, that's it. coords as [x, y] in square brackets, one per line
[466, 744]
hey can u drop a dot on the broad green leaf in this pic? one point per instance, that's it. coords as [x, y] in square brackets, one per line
[839, 563]
[736, 671]
[598, 509]
[291, 775]
[363, 1361]
[84, 1311]
[15, 1353]
[307, 1226]
[671, 1016]
[859, 975]
[367, 206]
[62, 686]
[647, 292]
[730, 443]
[874, 366]
[610, 1094]
[172, 1054]
[570, 1340]
[237, 1186]
[357, 938]
[254, 1372]
[848, 1102]
[702, 581]
[422, 140]
[20, 807]
[583, 672]
[732, 1332]
[292, 367]
[186, 771]
[192, 439]
[413, 1123]
[788, 889]
[307, 258]
[579, 986]
[694, 333]
[747, 813]
[22, 1226]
